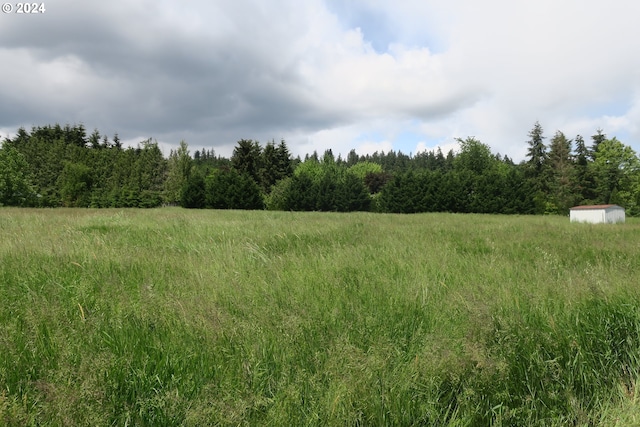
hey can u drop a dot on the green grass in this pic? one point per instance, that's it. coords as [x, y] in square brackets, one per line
[175, 317]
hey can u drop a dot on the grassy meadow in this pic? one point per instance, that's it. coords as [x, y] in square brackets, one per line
[236, 318]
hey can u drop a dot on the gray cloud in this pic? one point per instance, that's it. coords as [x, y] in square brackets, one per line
[151, 75]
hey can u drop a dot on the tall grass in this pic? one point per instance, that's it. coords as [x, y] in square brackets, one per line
[174, 317]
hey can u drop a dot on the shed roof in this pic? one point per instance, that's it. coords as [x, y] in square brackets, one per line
[592, 207]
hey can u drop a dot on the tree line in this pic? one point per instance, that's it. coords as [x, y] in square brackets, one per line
[52, 166]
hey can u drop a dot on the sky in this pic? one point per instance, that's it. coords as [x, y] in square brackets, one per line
[369, 75]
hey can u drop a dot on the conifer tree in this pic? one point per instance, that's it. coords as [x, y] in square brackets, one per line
[596, 140]
[561, 184]
[285, 163]
[352, 158]
[269, 174]
[583, 175]
[16, 187]
[116, 142]
[246, 158]
[75, 184]
[94, 139]
[301, 193]
[353, 195]
[537, 167]
[227, 188]
[537, 151]
[193, 193]
[179, 167]
[150, 174]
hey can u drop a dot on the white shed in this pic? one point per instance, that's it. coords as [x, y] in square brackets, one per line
[597, 214]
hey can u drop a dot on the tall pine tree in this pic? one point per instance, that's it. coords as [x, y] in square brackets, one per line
[537, 166]
[246, 158]
[583, 175]
[561, 185]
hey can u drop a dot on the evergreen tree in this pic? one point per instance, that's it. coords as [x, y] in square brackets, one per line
[440, 160]
[246, 158]
[562, 190]
[488, 193]
[149, 174]
[584, 180]
[124, 188]
[301, 193]
[596, 140]
[537, 152]
[518, 195]
[403, 194]
[353, 195]
[352, 158]
[432, 200]
[179, 167]
[537, 167]
[328, 157]
[229, 189]
[75, 184]
[284, 161]
[270, 173]
[327, 191]
[448, 161]
[249, 196]
[16, 187]
[75, 135]
[94, 139]
[101, 163]
[193, 194]
[21, 138]
[116, 142]
[45, 150]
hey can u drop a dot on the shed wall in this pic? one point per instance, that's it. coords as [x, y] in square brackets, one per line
[615, 215]
[597, 216]
[593, 216]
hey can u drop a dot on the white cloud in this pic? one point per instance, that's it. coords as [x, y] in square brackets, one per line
[350, 76]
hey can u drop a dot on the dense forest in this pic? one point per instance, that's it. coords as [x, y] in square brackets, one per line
[53, 166]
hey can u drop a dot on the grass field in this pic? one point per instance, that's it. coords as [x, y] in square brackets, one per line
[176, 317]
